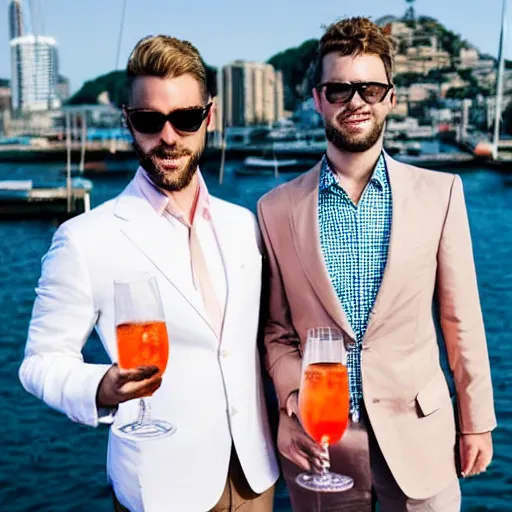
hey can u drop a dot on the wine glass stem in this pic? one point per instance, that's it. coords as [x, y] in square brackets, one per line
[144, 411]
[326, 463]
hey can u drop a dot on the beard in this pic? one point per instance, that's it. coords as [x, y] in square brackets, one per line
[174, 180]
[353, 143]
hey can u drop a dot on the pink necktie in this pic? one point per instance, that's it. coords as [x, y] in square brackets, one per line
[200, 272]
[204, 282]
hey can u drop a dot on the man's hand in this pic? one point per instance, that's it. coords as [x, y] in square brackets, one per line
[475, 453]
[293, 443]
[119, 386]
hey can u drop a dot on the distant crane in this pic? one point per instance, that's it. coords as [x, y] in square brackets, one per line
[410, 13]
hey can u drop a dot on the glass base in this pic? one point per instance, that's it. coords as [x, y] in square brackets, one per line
[153, 429]
[328, 482]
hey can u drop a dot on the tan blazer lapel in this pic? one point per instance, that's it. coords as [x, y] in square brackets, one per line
[403, 227]
[306, 236]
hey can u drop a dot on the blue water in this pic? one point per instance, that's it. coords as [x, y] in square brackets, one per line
[48, 463]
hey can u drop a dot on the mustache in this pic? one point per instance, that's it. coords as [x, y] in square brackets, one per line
[164, 151]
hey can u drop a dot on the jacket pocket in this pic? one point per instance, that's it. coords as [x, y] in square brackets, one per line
[433, 395]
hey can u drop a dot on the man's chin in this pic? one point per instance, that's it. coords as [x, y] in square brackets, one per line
[354, 143]
[173, 180]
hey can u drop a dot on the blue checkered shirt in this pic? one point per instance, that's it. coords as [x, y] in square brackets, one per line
[355, 241]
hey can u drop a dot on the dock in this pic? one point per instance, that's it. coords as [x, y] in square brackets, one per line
[104, 162]
[20, 199]
[439, 160]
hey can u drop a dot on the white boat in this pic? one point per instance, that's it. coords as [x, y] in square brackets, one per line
[413, 148]
[269, 163]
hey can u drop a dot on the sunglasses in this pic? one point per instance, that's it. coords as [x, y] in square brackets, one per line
[150, 122]
[370, 92]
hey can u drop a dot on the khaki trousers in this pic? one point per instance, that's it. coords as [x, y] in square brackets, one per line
[237, 495]
[358, 455]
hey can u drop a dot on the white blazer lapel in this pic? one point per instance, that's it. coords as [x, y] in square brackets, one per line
[147, 230]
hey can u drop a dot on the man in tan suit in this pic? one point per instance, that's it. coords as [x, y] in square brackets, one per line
[368, 245]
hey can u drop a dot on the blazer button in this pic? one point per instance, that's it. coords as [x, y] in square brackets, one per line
[224, 353]
[376, 401]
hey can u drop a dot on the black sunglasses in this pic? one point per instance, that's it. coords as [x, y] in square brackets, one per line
[339, 92]
[151, 121]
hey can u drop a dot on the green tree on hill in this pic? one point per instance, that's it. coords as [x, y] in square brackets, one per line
[295, 63]
[114, 83]
[449, 41]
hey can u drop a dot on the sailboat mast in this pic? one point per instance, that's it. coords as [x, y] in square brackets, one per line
[499, 82]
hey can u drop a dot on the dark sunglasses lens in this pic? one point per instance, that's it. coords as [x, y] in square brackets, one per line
[147, 122]
[373, 93]
[187, 120]
[338, 93]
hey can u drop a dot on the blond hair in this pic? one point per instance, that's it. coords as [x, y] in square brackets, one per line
[166, 57]
[354, 37]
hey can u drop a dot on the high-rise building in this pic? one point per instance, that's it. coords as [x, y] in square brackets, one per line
[62, 88]
[251, 93]
[16, 25]
[269, 97]
[238, 97]
[16, 28]
[5, 95]
[279, 96]
[34, 73]
[258, 76]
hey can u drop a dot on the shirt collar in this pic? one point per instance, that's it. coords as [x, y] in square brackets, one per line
[328, 177]
[163, 203]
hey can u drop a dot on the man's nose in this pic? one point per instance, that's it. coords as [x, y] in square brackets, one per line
[356, 101]
[169, 135]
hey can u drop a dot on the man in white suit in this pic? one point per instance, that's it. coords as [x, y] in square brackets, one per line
[205, 256]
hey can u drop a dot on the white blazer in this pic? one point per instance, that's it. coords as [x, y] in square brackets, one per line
[211, 391]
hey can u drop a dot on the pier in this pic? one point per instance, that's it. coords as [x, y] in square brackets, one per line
[21, 200]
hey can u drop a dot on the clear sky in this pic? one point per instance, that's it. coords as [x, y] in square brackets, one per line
[87, 31]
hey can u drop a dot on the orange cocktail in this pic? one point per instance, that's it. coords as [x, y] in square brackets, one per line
[142, 341]
[142, 344]
[324, 401]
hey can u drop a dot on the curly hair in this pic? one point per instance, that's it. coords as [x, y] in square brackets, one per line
[354, 37]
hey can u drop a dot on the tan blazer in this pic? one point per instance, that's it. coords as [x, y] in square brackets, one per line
[405, 391]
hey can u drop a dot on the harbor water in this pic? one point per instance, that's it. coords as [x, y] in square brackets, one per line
[48, 463]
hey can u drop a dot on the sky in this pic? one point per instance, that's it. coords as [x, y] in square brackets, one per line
[87, 31]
